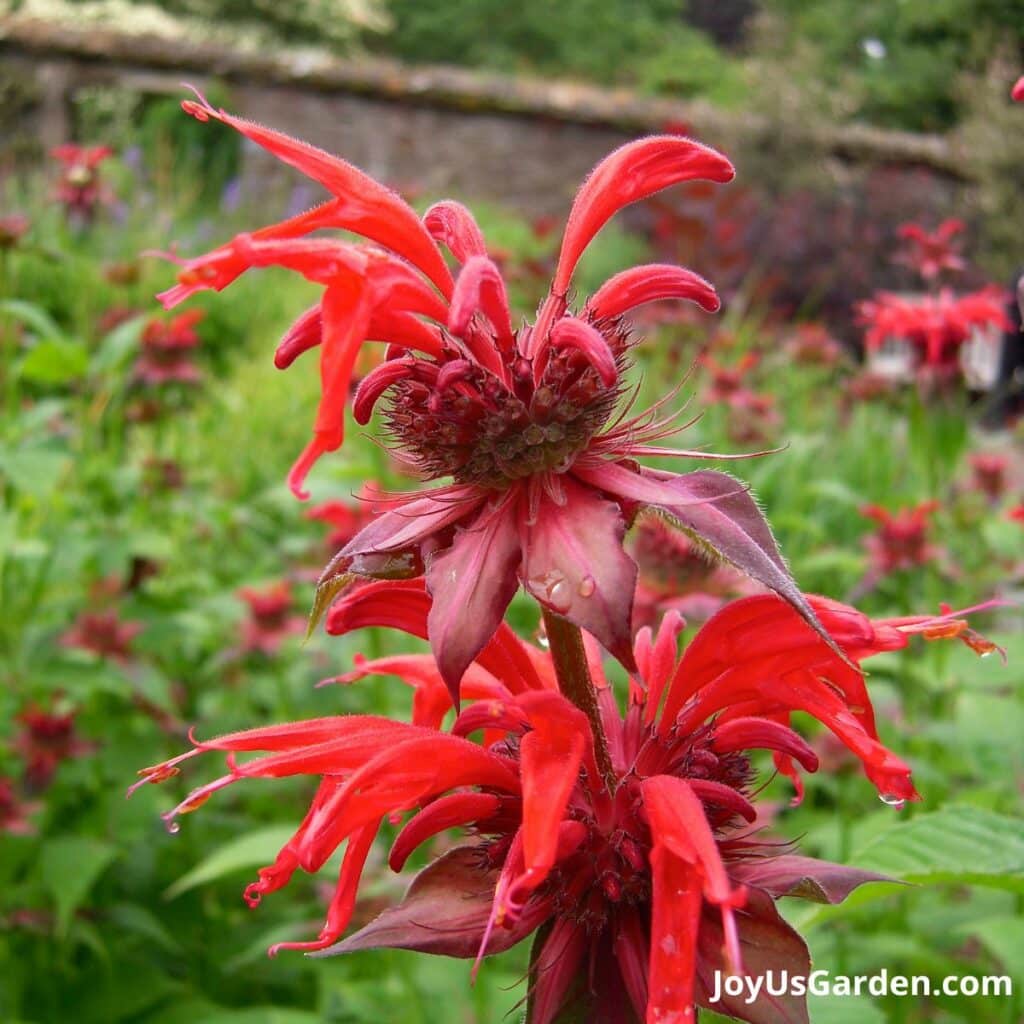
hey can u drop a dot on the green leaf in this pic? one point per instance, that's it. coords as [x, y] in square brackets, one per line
[69, 868]
[118, 347]
[35, 472]
[253, 850]
[959, 843]
[55, 361]
[32, 316]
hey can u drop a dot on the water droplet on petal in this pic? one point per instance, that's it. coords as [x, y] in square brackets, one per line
[553, 589]
[587, 586]
[891, 800]
[173, 827]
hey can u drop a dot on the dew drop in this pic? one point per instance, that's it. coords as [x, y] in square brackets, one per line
[173, 828]
[986, 654]
[891, 800]
[553, 589]
[587, 586]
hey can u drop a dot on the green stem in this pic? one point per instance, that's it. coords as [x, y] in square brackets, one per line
[570, 659]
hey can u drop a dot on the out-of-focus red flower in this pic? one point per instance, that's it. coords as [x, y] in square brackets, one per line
[901, 540]
[729, 383]
[1017, 93]
[812, 344]
[989, 473]
[14, 812]
[935, 325]
[80, 187]
[676, 575]
[168, 348]
[13, 227]
[1016, 514]
[103, 633]
[112, 318]
[931, 253]
[346, 518]
[523, 419]
[163, 474]
[643, 880]
[270, 620]
[45, 740]
[753, 415]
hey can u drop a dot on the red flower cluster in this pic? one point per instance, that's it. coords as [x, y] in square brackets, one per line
[103, 633]
[753, 414]
[936, 326]
[523, 419]
[80, 187]
[812, 344]
[46, 739]
[932, 253]
[635, 864]
[989, 473]
[901, 540]
[270, 620]
[168, 348]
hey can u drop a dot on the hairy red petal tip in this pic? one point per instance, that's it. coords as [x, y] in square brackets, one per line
[303, 464]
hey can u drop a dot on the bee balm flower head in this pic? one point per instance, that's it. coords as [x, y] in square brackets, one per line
[522, 419]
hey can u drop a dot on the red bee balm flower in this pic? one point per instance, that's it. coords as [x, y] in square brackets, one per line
[80, 188]
[523, 419]
[635, 865]
[46, 739]
[901, 540]
[989, 471]
[167, 350]
[270, 620]
[103, 633]
[936, 325]
[930, 253]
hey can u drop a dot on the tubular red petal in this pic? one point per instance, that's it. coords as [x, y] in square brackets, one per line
[590, 343]
[303, 464]
[631, 952]
[451, 223]
[344, 900]
[368, 208]
[447, 812]
[762, 734]
[675, 921]
[375, 383]
[555, 969]
[404, 330]
[651, 283]
[632, 172]
[680, 826]
[711, 792]
[480, 288]
[303, 335]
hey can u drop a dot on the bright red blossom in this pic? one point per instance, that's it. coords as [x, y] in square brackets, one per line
[168, 349]
[103, 633]
[270, 620]
[14, 812]
[46, 739]
[932, 253]
[522, 419]
[80, 187]
[935, 325]
[902, 539]
[643, 883]
[989, 473]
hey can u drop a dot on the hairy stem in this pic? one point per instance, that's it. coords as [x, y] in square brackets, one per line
[566, 645]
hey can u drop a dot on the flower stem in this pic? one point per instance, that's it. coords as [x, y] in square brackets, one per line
[570, 660]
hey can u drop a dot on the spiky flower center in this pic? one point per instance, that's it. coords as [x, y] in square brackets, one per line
[466, 423]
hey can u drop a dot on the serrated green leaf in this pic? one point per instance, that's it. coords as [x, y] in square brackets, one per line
[958, 843]
[252, 850]
[69, 868]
